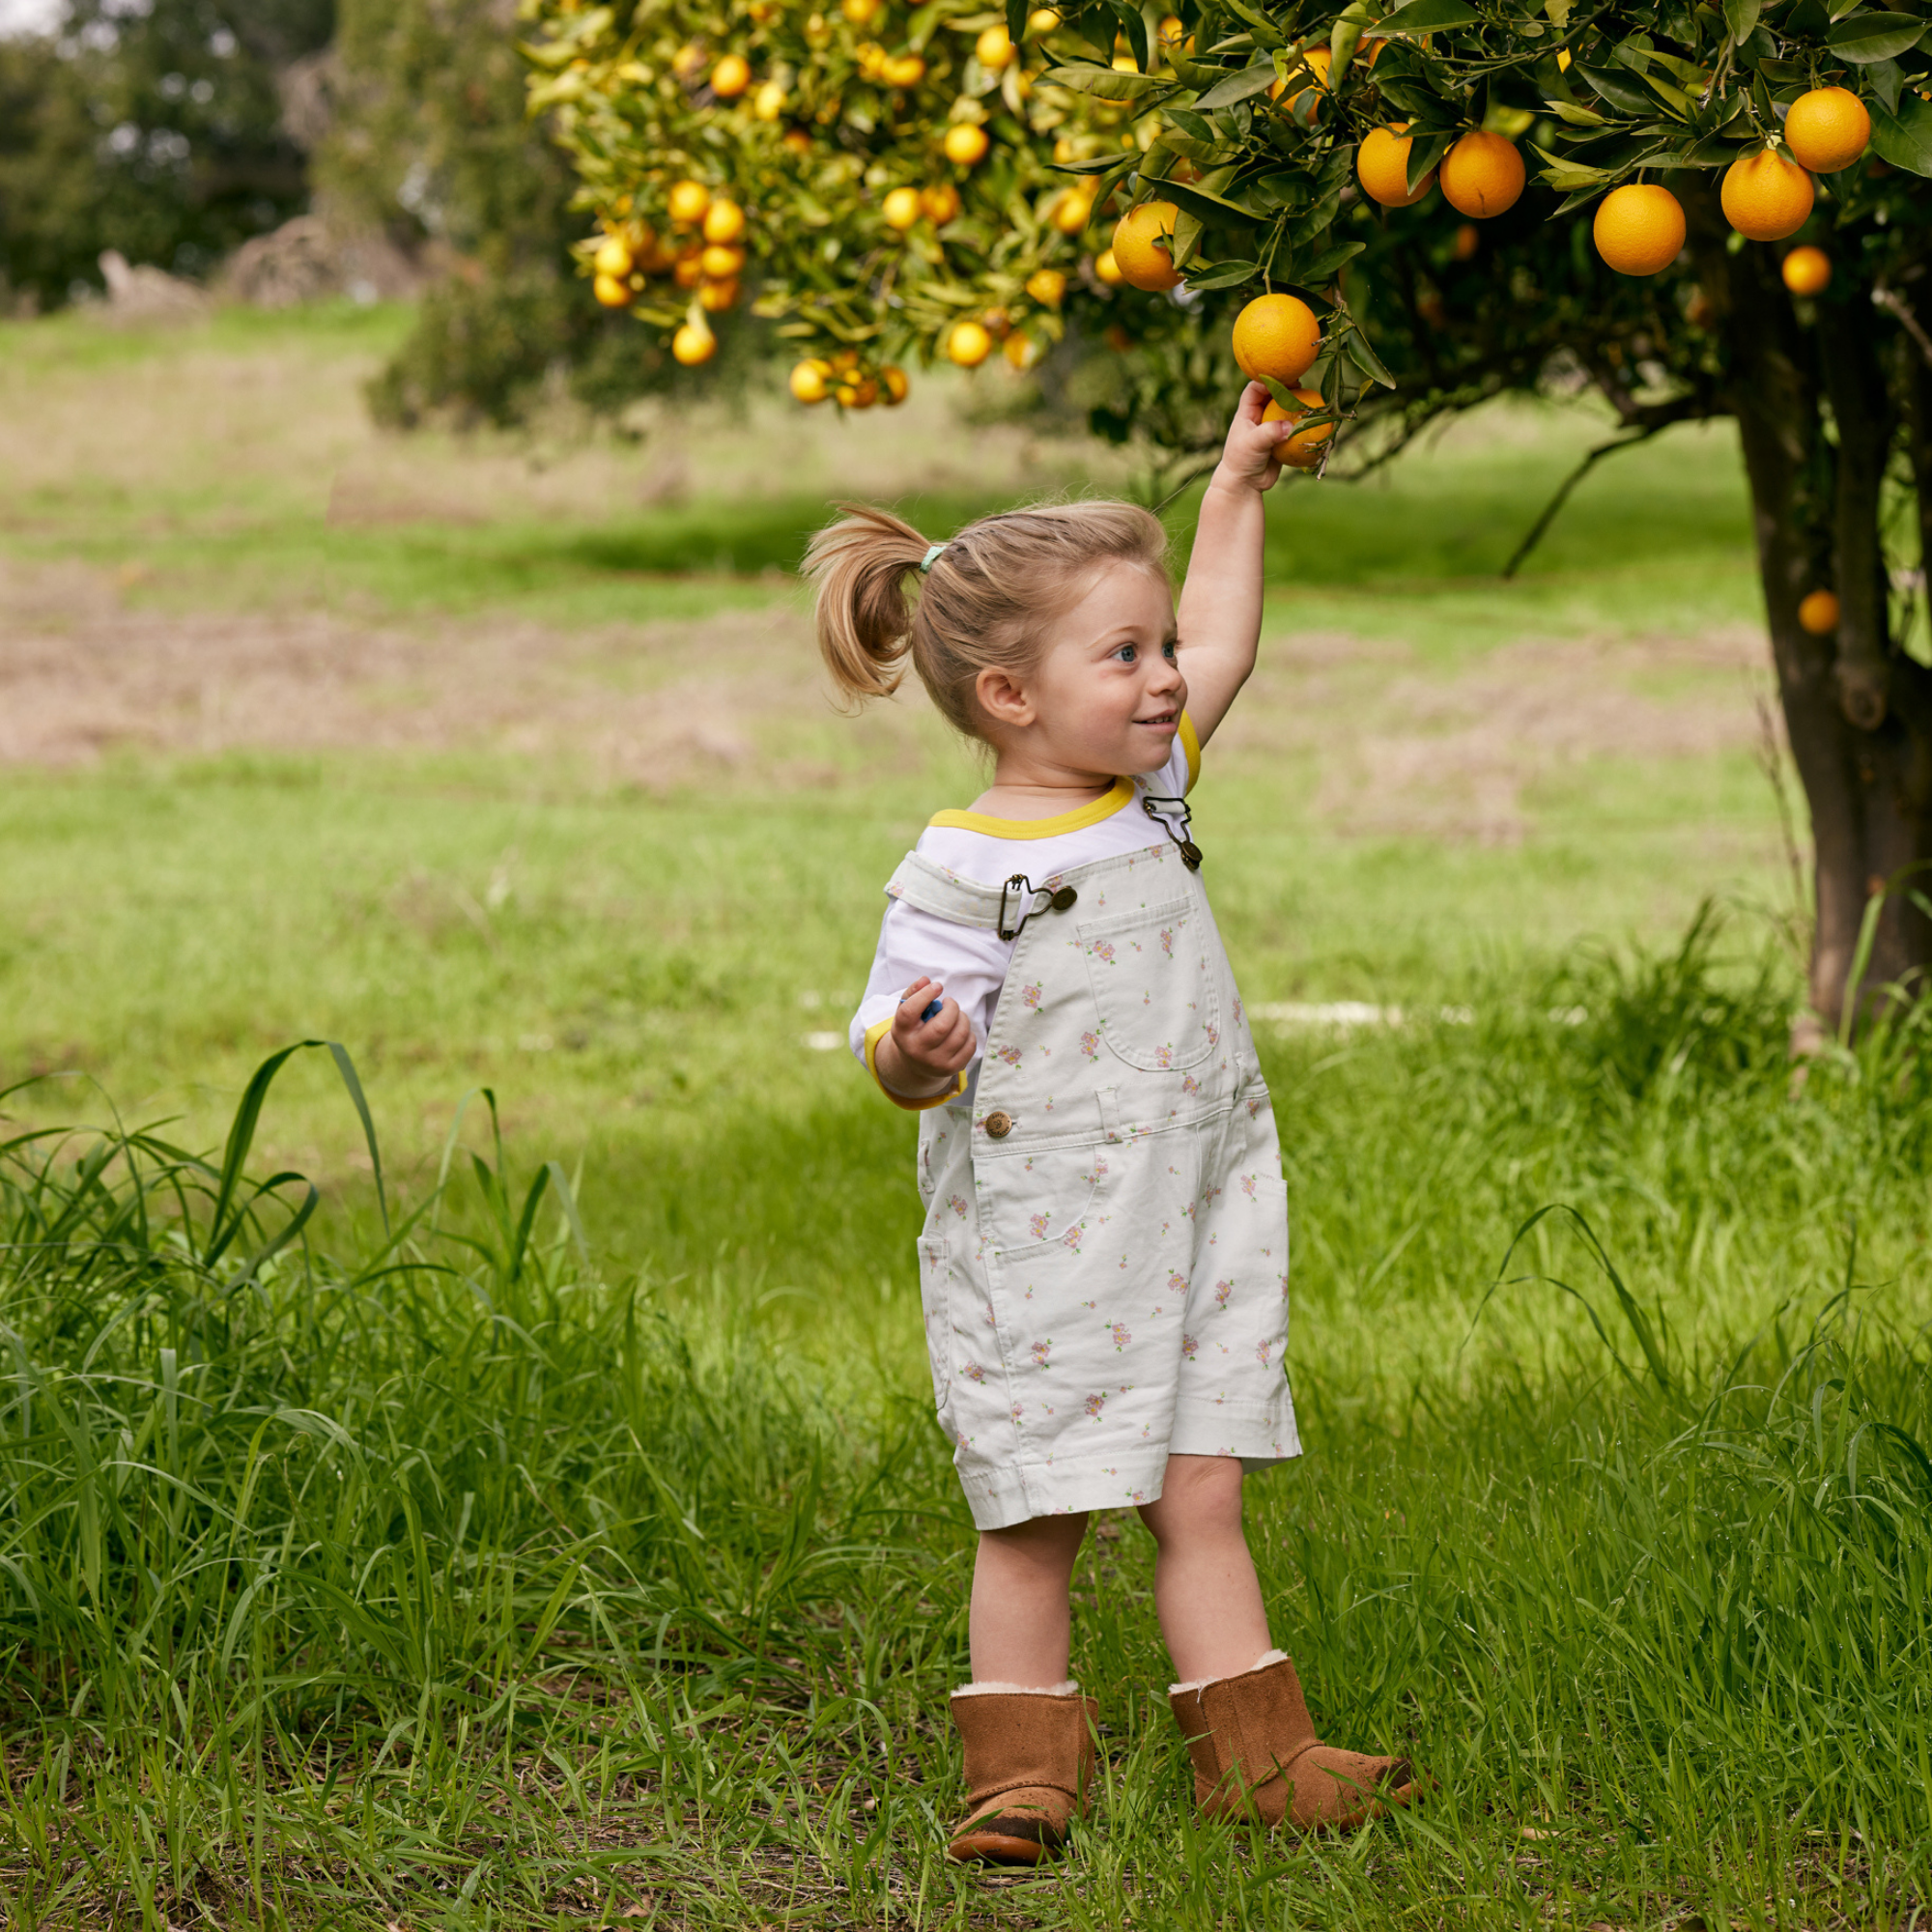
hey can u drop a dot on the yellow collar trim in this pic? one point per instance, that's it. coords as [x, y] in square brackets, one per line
[1076, 820]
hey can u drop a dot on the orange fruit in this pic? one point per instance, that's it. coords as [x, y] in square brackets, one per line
[1303, 449]
[1818, 612]
[893, 380]
[1827, 129]
[1021, 349]
[1137, 251]
[688, 270]
[688, 201]
[968, 345]
[1806, 271]
[941, 204]
[1278, 336]
[613, 257]
[1469, 239]
[1041, 20]
[904, 70]
[719, 263]
[965, 143]
[1382, 165]
[994, 49]
[716, 295]
[693, 343]
[901, 208]
[1107, 269]
[731, 77]
[724, 222]
[1288, 93]
[1481, 176]
[810, 381]
[686, 60]
[612, 291]
[1765, 197]
[858, 12]
[1640, 228]
[1072, 211]
[767, 103]
[797, 140]
[1047, 287]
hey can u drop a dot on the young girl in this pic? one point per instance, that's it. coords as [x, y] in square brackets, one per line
[1104, 1261]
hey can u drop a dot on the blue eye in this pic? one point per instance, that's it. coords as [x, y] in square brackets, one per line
[1128, 653]
[1169, 650]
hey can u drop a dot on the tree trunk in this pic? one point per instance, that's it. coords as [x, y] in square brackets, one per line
[1858, 711]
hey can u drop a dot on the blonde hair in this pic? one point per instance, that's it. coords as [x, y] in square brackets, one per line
[987, 601]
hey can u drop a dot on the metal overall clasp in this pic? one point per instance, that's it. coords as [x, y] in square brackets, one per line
[1022, 886]
[1160, 807]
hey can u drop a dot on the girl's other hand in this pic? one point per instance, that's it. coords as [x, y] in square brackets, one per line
[926, 1055]
[1248, 459]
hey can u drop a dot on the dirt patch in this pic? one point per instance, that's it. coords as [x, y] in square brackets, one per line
[738, 696]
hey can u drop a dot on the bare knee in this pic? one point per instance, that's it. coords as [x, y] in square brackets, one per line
[1199, 1501]
[1046, 1543]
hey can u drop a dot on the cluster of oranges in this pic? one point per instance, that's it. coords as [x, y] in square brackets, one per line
[845, 380]
[704, 255]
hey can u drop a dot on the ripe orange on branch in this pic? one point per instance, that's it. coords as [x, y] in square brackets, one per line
[1806, 271]
[941, 204]
[731, 77]
[1765, 197]
[965, 143]
[693, 343]
[1138, 252]
[1381, 164]
[1481, 176]
[724, 222]
[968, 345]
[1047, 287]
[811, 381]
[688, 201]
[994, 49]
[1640, 228]
[901, 208]
[1818, 612]
[611, 291]
[1827, 129]
[1303, 449]
[1276, 337]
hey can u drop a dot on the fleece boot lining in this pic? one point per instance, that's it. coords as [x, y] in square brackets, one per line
[1267, 1657]
[989, 1688]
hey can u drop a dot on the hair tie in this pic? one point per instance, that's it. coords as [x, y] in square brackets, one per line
[931, 556]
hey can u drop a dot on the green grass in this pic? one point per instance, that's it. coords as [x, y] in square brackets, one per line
[444, 1572]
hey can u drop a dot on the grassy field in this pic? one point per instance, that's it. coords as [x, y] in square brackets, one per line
[456, 1564]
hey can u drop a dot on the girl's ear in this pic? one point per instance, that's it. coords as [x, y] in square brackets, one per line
[1004, 698]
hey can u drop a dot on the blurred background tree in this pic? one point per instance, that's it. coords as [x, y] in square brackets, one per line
[156, 129]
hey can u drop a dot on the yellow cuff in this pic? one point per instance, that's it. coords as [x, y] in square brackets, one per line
[877, 1031]
[1191, 745]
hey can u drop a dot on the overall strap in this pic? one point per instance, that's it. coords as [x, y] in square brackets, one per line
[1002, 909]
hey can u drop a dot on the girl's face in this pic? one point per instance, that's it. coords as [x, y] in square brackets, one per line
[1107, 693]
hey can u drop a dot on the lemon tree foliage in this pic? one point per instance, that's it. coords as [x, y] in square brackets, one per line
[1695, 210]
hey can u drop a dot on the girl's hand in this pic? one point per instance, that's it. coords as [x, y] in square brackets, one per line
[1248, 460]
[921, 1057]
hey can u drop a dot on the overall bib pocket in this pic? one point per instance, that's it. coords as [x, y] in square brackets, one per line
[1152, 975]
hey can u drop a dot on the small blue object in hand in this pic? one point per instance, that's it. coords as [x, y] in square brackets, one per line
[931, 1012]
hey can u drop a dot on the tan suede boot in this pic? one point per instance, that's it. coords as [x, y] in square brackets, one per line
[1256, 1755]
[1028, 1765]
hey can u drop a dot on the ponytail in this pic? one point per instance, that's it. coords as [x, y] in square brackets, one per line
[987, 600]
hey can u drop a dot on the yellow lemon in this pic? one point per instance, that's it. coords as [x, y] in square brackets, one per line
[965, 143]
[968, 345]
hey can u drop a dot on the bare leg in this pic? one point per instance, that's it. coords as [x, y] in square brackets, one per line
[1205, 1588]
[1021, 1626]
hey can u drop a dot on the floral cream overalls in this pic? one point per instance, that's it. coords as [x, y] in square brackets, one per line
[1104, 1262]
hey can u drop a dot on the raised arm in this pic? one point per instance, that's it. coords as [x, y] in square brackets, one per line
[1221, 616]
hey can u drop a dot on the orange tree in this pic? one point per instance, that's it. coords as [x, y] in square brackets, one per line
[1386, 212]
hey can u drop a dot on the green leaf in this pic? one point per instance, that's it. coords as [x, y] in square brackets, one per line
[1884, 79]
[1740, 17]
[1225, 275]
[1251, 80]
[1323, 266]
[1904, 138]
[1266, 34]
[1874, 36]
[1577, 117]
[1017, 19]
[1134, 21]
[1365, 358]
[1620, 90]
[1207, 206]
[1565, 175]
[1427, 17]
[1106, 83]
[1424, 156]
